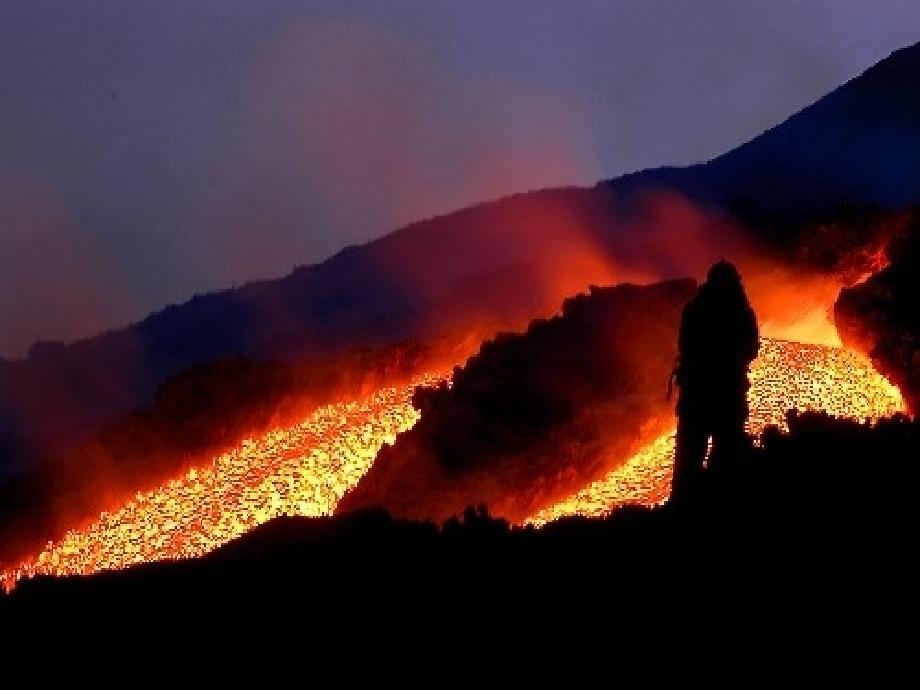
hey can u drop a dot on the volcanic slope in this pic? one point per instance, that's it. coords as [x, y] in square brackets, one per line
[305, 469]
[860, 144]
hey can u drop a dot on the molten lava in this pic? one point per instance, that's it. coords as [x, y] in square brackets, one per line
[305, 469]
[786, 375]
[301, 470]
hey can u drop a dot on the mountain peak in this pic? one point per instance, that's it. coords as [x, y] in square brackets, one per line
[858, 144]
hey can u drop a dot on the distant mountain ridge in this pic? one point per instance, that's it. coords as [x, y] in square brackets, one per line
[860, 144]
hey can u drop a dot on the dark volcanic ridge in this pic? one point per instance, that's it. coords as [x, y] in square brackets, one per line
[880, 316]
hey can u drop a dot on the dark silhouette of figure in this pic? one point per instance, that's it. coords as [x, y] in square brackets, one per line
[718, 340]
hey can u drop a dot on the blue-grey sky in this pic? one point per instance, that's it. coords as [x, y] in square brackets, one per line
[152, 149]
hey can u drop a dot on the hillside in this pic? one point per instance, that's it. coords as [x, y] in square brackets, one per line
[502, 262]
[533, 417]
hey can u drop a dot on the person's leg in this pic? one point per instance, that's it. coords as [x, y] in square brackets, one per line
[689, 452]
[730, 441]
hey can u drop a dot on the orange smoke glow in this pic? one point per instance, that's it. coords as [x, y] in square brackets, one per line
[792, 306]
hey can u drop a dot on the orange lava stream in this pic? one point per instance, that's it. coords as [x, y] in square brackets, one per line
[301, 470]
[305, 469]
[786, 375]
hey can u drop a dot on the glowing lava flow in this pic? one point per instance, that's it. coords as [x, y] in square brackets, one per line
[786, 375]
[301, 470]
[305, 469]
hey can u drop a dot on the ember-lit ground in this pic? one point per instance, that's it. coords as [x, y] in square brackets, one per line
[305, 469]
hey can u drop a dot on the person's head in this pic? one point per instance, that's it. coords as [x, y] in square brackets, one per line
[724, 274]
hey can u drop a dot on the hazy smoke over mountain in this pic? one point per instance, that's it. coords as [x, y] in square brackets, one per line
[346, 128]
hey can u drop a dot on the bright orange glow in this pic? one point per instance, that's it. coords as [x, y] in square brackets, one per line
[300, 470]
[786, 375]
[305, 469]
[790, 305]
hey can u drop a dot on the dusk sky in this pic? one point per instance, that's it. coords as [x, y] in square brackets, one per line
[153, 150]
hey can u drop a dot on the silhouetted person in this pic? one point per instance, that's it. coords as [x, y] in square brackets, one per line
[718, 340]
